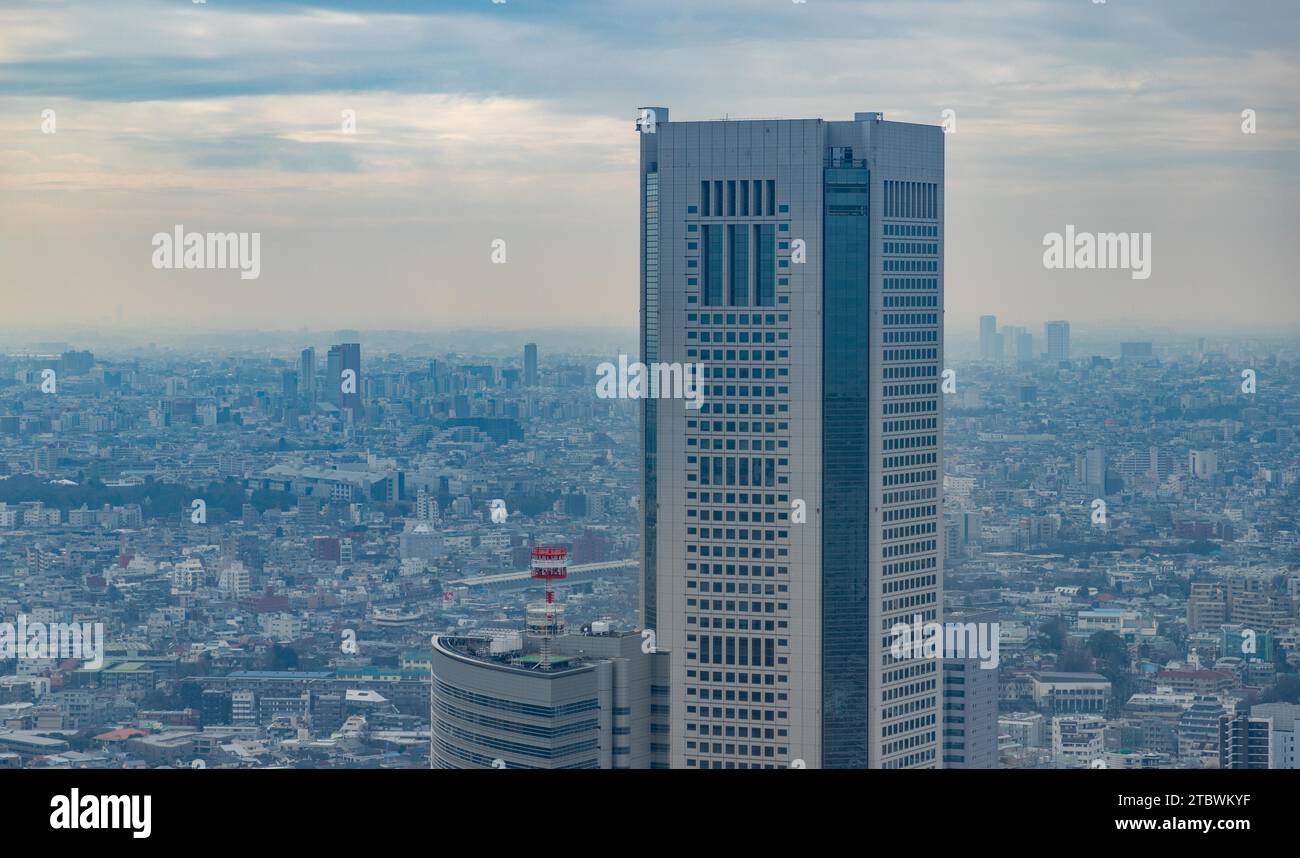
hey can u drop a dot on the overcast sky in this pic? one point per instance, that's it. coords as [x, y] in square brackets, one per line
[479, 120]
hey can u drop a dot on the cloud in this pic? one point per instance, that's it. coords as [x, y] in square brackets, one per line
[478, 120]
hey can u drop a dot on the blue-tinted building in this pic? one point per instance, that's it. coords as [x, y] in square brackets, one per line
[343, 377]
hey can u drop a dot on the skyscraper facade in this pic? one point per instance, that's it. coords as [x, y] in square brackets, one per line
[343, 377]
[530, 364]
[791, 520]
[970, 705]
[1090, 469]
[492, 707]
[307, 373]
[1058, 341]
[289, 385]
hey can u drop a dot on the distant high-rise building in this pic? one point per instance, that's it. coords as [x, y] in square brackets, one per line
[1058, 341]
[426, 506]
[289, 385]
[333, 374]
[1284, 733]
[807, 253]
[1091, 470]
[1244, 742]
[343, 377]
[530, 365]
[990, 343]
[307, 373]
[970, 707]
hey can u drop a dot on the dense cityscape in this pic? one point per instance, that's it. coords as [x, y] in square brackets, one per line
[270, 556]
[403, 399]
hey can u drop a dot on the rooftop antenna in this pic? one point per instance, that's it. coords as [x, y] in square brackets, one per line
[546, 620]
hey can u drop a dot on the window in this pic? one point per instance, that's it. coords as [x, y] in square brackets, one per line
[764, 265]
[711, 262]
[738, 262]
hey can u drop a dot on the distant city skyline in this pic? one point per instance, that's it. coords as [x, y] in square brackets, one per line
[480, 122]
[934, 408]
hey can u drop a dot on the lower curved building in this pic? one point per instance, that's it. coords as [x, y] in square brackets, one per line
[594, 708]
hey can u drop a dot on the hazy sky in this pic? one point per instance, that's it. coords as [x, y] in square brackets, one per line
[479, 120]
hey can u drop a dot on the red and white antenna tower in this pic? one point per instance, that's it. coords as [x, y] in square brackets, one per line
[547, 620]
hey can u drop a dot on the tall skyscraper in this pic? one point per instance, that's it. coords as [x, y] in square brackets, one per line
[1090, 469]
[530, 364]
[343, 377]
[307, 373]
[970, 706]
[289, 385]
[990, 341]
[1058, 341]
[801, 262]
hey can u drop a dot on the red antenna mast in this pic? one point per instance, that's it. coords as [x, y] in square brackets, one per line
[547, 621]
